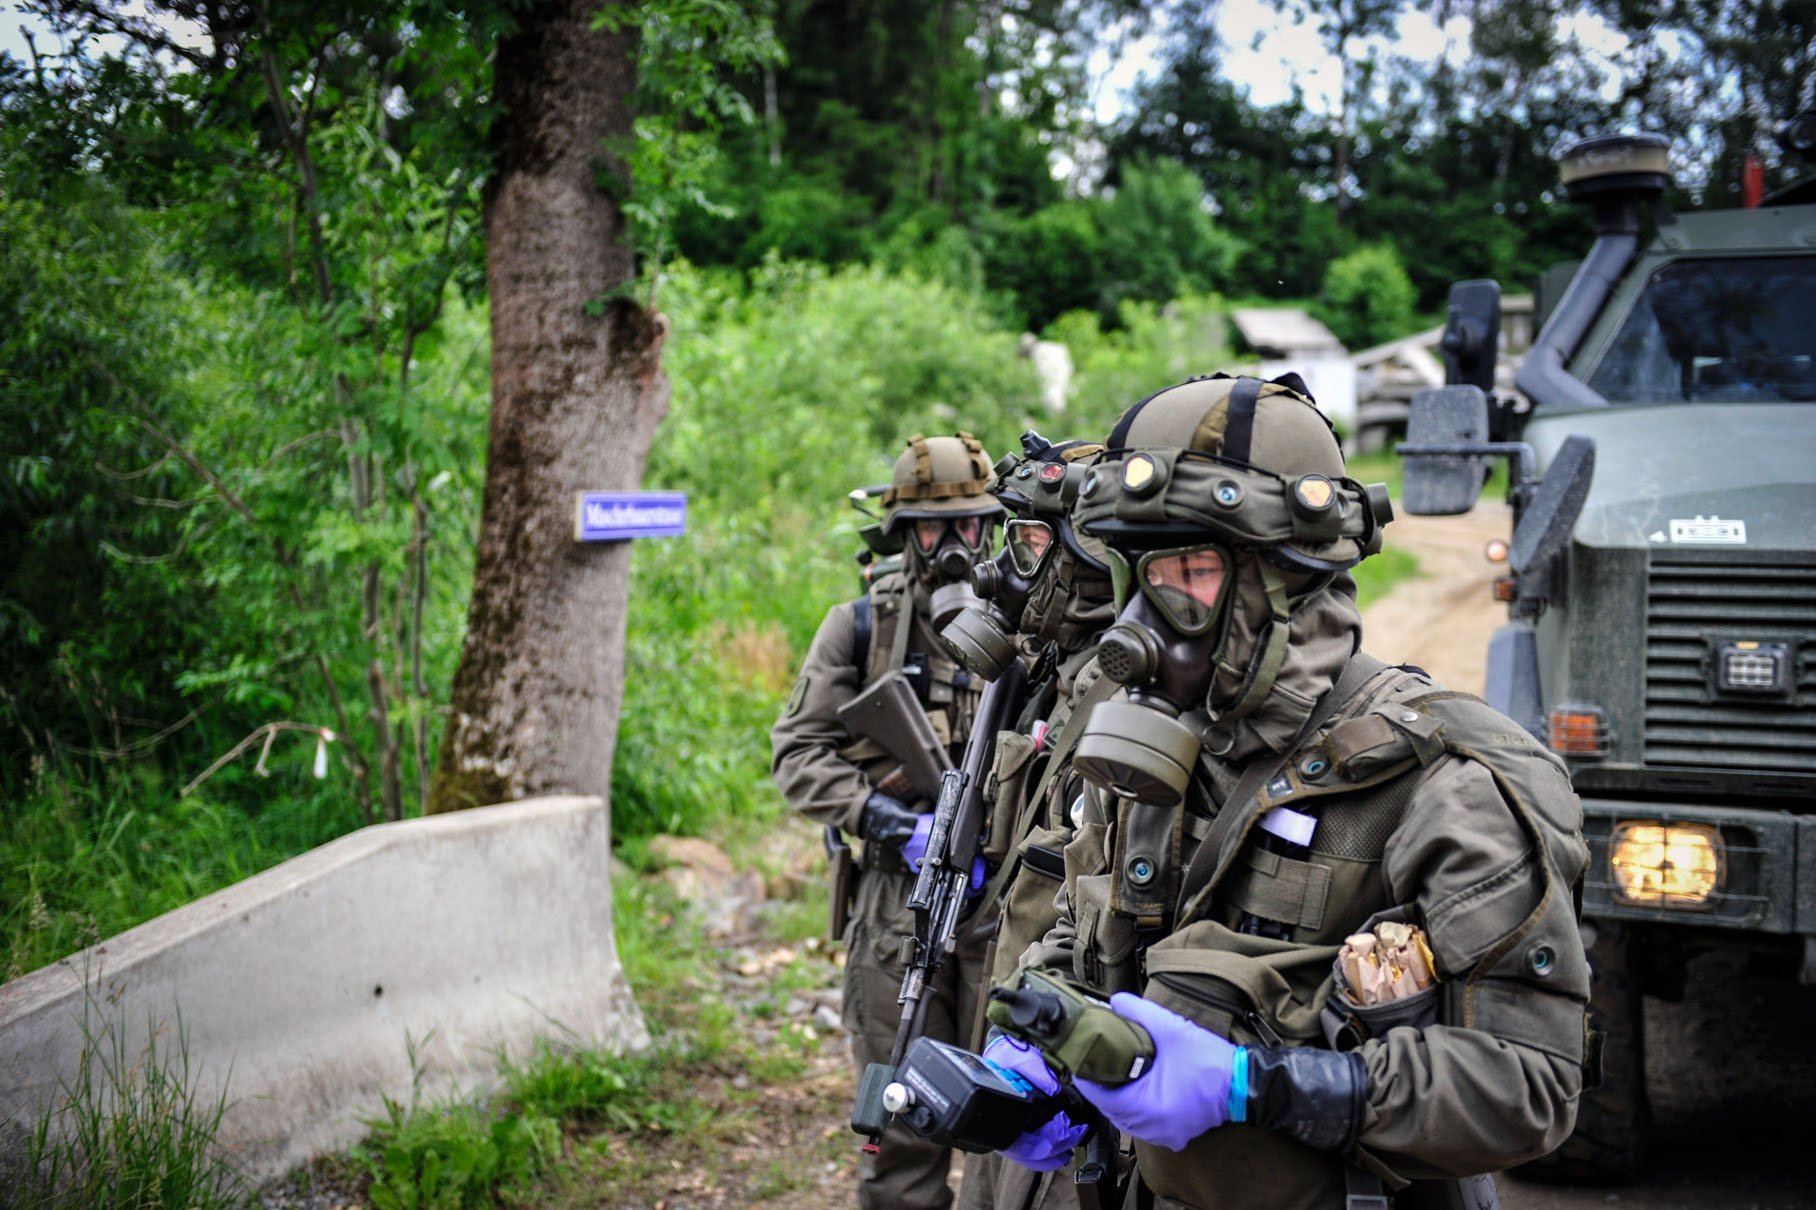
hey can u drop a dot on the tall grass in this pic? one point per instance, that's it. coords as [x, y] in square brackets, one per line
[83, 857]
[132, 1129]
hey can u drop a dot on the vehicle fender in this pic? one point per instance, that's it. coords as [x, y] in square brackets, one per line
[1513, 677]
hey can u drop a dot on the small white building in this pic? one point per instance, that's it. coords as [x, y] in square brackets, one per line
[1287, 339]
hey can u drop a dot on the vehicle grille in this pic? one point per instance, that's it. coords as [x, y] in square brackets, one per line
[1692, 600]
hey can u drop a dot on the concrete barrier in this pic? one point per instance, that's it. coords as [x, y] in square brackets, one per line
[477, 931]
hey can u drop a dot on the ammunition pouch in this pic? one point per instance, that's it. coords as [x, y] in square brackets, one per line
[1347, 1024]
[1105, 955]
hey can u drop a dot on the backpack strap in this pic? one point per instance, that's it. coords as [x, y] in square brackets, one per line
[904, 622]
[863, 626]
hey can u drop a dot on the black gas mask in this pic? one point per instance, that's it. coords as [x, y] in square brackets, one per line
[941, 553]
[1164, 647]
[983, 635]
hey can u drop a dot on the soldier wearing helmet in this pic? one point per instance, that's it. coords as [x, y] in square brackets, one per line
[937, 505]
[1047, 598]
[1268, 807]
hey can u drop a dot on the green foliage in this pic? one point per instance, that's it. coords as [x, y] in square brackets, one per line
[84, 860]
[841, 367]
[1367, 298]
[132, 1129]
[1159, 240]
[690, 54]
[1051, 261]
[452, 1155]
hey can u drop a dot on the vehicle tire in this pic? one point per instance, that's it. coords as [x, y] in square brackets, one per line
[1613, 1121]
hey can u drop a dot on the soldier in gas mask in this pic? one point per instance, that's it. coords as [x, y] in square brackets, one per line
[1269, 807]
[937, 505]
[1047, 598]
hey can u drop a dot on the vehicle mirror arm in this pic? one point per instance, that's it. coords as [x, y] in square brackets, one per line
[1518, 452]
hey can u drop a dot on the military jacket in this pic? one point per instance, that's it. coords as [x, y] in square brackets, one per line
[1432, 808]
[821, 769]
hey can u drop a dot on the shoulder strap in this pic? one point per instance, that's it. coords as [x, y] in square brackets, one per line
[1220, 843]
[904, 622]
[863, 625]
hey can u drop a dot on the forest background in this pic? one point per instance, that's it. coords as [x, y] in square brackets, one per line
[244, 362]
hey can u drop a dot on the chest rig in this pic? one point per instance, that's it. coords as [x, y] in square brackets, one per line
[891, 636]
[1159, 871]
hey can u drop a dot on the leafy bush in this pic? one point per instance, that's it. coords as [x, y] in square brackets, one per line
[454, 1155]
[1368, 298]
[1051, 261]
[1159, 239]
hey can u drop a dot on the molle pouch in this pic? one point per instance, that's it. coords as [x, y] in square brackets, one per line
[1028, 911]
[1103, 956]
[1006, 791]
[1347, 1023]
[1253, 990]
[1383, 741]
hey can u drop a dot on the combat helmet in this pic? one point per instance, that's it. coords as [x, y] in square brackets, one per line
[1226, 507]
[938, 477]
[1255, 464]
[945, 480]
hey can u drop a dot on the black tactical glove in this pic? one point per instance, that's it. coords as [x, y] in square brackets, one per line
[1315, 1096]
[886, 821]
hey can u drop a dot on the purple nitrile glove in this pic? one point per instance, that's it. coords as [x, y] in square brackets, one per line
[1197, 1081]
[914, 851]
[1046, 1148]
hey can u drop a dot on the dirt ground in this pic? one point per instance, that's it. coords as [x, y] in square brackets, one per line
[1442, 619]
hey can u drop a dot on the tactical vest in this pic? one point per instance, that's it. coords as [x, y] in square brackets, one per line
[1158, 914]
[882, 644]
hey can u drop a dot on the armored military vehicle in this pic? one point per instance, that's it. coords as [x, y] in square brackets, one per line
[1661, 580]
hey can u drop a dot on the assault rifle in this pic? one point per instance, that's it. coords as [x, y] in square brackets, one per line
[888, 714]
[942, 890]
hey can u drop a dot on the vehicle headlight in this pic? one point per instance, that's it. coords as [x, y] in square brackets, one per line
[1665, 865]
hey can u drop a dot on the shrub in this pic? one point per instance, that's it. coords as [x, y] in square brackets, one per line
[1368, 298]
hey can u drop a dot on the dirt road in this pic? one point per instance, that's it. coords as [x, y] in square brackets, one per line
[1442, 619]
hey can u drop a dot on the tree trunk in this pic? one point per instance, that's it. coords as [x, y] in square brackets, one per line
[576, 397]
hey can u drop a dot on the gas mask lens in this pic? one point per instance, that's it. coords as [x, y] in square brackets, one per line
[930, 531]
[1184, 585]
[1027, 543]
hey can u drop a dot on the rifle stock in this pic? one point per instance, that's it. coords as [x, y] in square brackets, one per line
[890, 715]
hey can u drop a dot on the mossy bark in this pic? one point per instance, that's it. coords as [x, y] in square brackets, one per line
[577, 393]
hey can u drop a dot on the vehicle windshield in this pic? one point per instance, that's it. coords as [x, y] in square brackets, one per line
[1717, 331]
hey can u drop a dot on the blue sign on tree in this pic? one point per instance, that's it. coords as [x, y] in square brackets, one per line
[616, 516]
